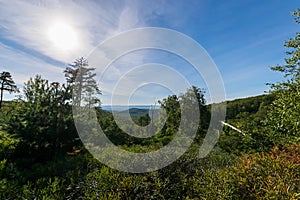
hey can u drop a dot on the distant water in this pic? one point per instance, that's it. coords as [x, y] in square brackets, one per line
[121, 108]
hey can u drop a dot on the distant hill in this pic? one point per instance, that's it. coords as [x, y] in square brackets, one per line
[251, 105]
[135, 112]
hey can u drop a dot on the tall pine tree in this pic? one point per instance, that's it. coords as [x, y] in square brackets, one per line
[7, 84]
[81, 78]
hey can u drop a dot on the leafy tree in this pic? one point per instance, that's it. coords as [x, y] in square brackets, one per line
[201, 103]
[172, 108]
[283, 117]
[7, 84]
[82, 80]
[292, 66]
[44, 120]
[192, 100]
[144, 120]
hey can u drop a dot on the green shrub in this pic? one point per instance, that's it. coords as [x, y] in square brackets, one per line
[273, 175]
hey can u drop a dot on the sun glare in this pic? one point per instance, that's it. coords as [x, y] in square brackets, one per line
[63, 36]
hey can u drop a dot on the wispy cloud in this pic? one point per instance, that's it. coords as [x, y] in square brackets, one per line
[22, 66]
[27, 23]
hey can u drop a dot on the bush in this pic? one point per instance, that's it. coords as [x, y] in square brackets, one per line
[273, 175]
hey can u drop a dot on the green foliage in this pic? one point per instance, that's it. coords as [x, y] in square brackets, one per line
[192, 102]
[172, 108]
[292, 66]
[82, 81]
[240, 108]
[8, 144]
[247, 115]
[144, 120]
[44, 120]
[271, 119]
[273, 175]
[283, 115]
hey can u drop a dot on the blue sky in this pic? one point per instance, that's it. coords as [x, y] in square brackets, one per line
[244, 38]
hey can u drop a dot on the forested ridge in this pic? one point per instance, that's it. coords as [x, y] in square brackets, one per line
[42, 156]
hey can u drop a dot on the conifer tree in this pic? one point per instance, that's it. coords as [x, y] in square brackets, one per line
[7, 84]
[81, 78]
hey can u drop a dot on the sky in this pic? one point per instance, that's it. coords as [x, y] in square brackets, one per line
[242, 38]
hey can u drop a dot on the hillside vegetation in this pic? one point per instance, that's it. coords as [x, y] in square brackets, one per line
[42, 156]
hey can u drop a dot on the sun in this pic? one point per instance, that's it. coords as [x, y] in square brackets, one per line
[63, 36]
